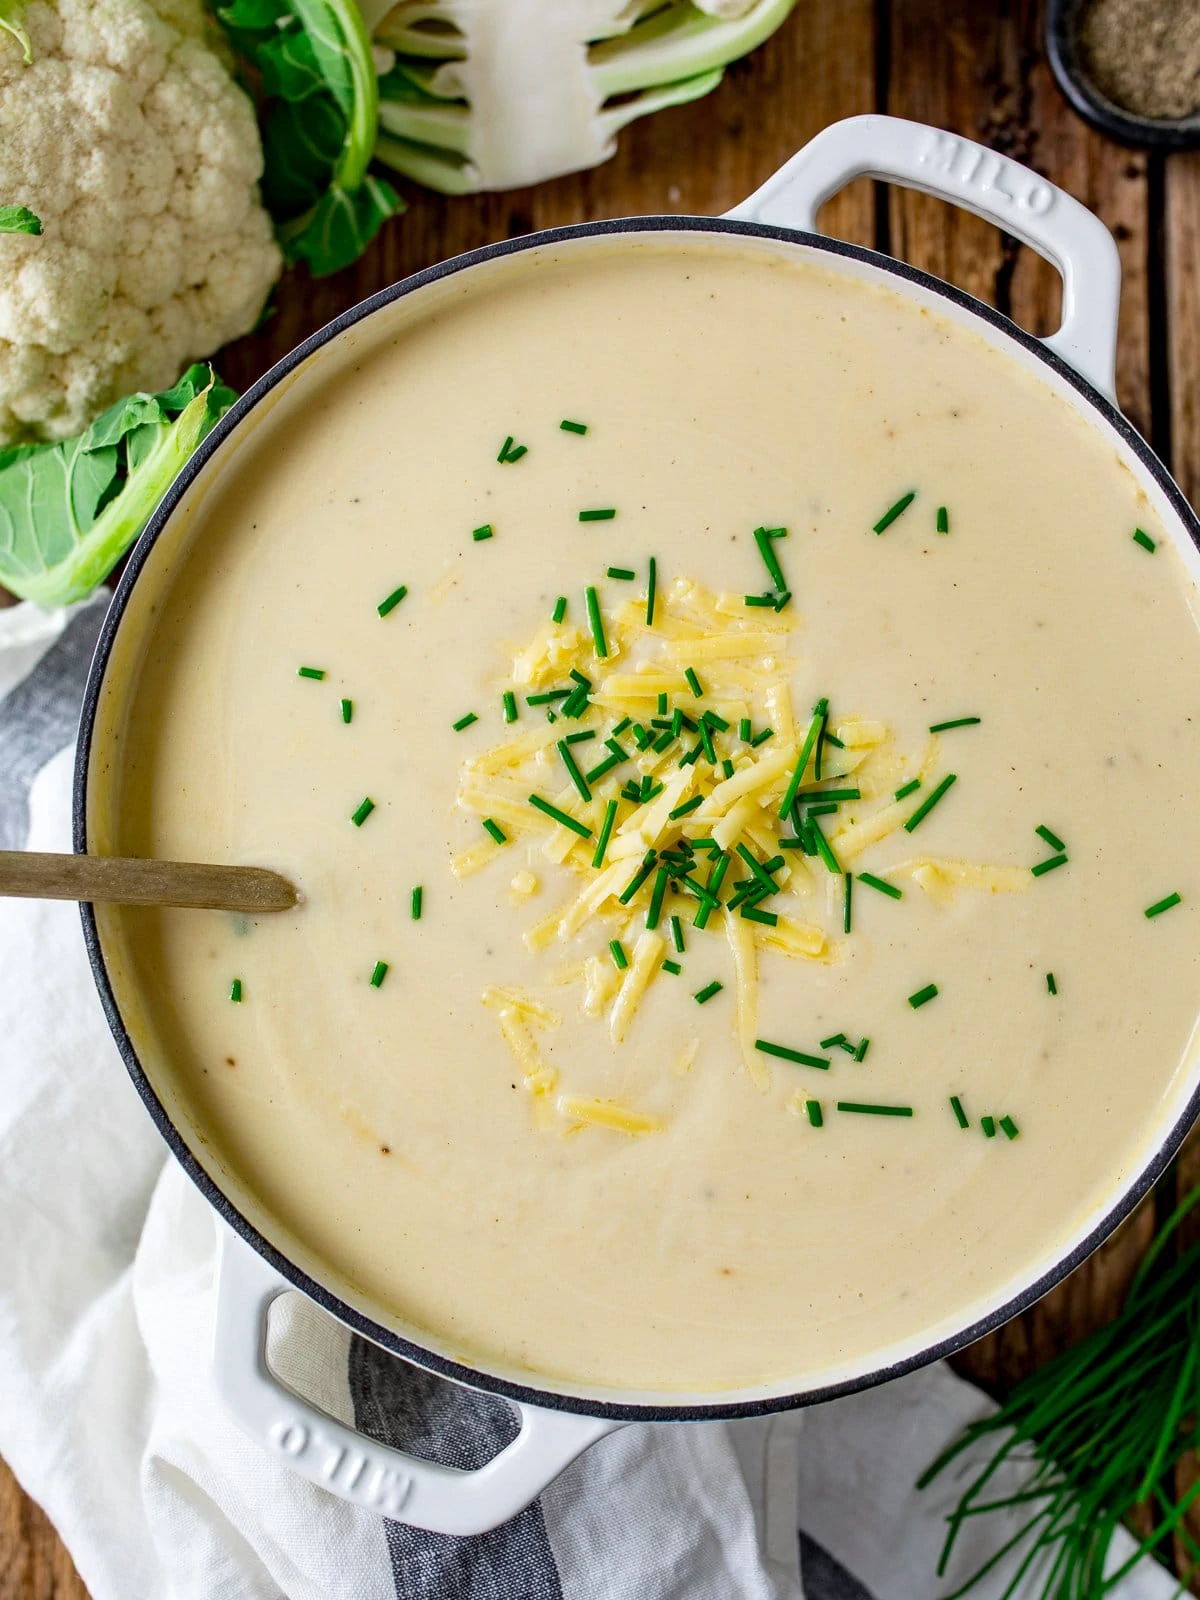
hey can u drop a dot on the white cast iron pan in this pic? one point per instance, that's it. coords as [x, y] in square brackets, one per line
[558, 1421]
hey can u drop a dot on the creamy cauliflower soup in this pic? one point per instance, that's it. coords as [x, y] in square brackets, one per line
[735, 734]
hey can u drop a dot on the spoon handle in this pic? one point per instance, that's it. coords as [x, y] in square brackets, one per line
[130, 881]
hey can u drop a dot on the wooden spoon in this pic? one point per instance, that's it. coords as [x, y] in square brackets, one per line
[129, 881]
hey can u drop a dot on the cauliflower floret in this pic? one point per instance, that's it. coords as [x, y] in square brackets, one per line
[130, 140]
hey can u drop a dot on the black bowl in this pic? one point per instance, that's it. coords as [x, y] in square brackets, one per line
[1127, 127]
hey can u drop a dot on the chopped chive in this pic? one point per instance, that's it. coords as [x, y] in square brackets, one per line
[1049, 865]
[848, 882]
[672, 967]
[573, 772]
[881, 884]
[955, 722]
[505, 448]
[1051, 983]
[1052, 839]
[677, 934]
[626, 574]
[485, 532]
[837, 795]
[657, 895]
[560, 609]
[823, 846]
[711, 892]
[494, 831]
[833, 1039]
[890, 515]
[943, 520]
[558, 816]
[753, 914]
[824, 810]
[930, 801]
[546, 698]
[810, 738]
[392, 601]
[760, 600]
[599, 642]
[813, 1108]
[464, 722]
[715, 720]
[379, 974]
[651, 591]
[418, 896]
[510, 452]
[235, 991]
[581, 736]
[865, 1109]
[960, 1116]
[785, 1053]
[693, 682]
[1160, 906]
[316, 673]
[923, 996]
[606, 827]
[602, 767]
[727, 767]
[762, 538]
[568, 426]
[861, 1053]
[762, 737]
[744, 730]
[364, 810]
[906, 789]
[600, 514]
[832, 739]
[510, 706]
[662, 705]
[617, 951]
[624, 723]
[638, 879]
[688, 805]
[347, 710]
[1144, 539]
[663, 740]
[702, 996]
[1010, 1128]
[988, 1124]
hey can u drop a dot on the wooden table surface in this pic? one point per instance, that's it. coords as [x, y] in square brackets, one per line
[974, 67]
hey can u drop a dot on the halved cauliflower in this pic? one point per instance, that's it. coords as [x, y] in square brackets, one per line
[130, 140]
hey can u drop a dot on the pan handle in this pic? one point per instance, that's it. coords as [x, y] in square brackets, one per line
[944, 164]
[351, 1465]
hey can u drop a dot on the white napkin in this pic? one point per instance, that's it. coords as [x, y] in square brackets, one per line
[108, 1413]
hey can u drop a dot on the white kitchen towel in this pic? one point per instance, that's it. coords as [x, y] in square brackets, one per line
[108, 1413]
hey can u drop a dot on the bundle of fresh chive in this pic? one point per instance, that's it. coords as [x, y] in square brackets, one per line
[1101, 1429]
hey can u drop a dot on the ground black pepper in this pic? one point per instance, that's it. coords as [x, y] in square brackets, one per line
[1143, 55]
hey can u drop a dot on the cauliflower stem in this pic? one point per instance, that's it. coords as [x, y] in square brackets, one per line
[70, 511]
[500, 96]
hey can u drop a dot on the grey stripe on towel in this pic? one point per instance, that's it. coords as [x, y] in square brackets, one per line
[825, 1578]
[38, 718]
[406, 1407]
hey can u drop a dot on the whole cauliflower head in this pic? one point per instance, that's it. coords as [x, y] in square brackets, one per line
[131, 142]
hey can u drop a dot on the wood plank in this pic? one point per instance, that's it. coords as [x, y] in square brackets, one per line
[1181, 250]
[1181, 253]
[34, 1564]
[979, 71]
